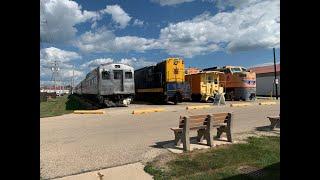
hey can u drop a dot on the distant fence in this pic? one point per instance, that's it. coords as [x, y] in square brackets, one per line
[44, 96]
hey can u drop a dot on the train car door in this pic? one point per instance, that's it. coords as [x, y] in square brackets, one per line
[118, 79]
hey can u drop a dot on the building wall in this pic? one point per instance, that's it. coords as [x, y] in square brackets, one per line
[265, 84]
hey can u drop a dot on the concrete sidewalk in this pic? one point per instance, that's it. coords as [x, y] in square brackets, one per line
[130, 171]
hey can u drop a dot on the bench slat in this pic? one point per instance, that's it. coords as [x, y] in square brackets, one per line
[198, 116]
[220, 114]
[196, 124]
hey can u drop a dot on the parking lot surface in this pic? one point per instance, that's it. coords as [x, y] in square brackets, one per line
[75, 143]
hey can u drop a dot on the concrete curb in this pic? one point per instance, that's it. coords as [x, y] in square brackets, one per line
[88, 112]
[240, 104]
[198, 107]
[142, 111]
[267, 103]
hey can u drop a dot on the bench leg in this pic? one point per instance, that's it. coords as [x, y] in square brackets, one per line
[219, 132]
[209, 136]
[186, 141]
[177, 138]
[200, 136]
[228, 132]
[273, 123]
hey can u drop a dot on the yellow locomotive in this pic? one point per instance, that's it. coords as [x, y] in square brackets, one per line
[162, 82]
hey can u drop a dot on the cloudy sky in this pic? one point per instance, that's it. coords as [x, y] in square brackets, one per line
[83, 34]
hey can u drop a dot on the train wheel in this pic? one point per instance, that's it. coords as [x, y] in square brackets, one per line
[100, 99]
[176, 99]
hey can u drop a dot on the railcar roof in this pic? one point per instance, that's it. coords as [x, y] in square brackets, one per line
[104, 64]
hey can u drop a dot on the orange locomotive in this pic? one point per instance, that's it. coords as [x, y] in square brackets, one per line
[239, 83]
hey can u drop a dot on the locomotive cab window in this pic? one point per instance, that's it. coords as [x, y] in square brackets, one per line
[236, 70]
[105, 75]
[227, 71]
[128, 75]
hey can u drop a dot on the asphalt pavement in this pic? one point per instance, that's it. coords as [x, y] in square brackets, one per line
[77, 143]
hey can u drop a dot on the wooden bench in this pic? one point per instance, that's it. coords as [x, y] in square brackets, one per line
[204, 125]
[274, 120]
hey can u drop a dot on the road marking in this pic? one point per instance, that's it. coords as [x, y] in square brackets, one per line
[142, 111]
[88, 112]
[198, 107]
[240, 104]
[267, 103]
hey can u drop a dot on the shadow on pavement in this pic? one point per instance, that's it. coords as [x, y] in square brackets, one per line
[160, 145]
[268, 128]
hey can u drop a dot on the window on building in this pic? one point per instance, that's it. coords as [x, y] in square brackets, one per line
[105, 75]
[128, 75]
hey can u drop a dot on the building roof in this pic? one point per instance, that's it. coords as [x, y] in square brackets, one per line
[265, 69]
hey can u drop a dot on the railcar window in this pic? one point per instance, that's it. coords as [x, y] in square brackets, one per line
[105, 75]
[227, 71]
[117, 74]
[236, 69]
[128, 75]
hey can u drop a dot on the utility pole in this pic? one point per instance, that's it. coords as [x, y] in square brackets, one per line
[55, 74]
[72, 81]
[275, 72]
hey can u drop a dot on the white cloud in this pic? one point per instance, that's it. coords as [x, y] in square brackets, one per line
[255, 25]
[127, 43]
[95, 63]
[118, 15]
[264, 64]
[251, 24]
[138, 22]
[223, 4]
[58, 18]
[134, 62]
[69, 73]
[170, 2]
[103, 40]
[64, 58]
[52, 54]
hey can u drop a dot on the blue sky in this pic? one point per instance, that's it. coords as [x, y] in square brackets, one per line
[143, 32]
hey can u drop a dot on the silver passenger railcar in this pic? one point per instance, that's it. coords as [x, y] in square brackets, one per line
[111, 84]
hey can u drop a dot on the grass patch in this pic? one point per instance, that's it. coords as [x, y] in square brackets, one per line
[223, 162]
[54, 107]
[66, 104]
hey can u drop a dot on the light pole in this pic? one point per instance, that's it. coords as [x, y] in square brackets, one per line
[275, 72]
